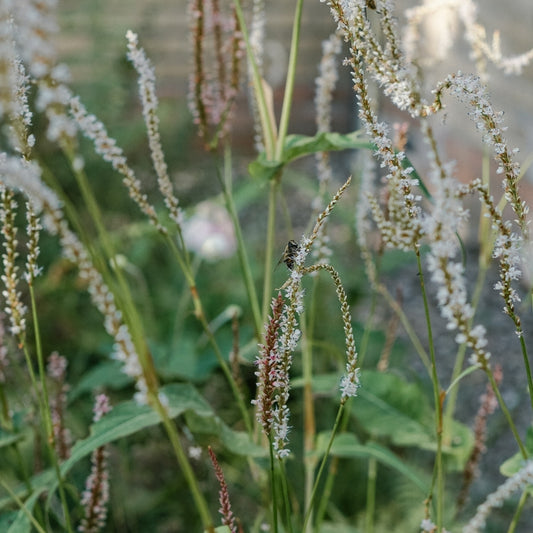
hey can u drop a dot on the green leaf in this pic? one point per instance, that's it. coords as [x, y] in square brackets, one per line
[389, 407]
[7, 438]
[346, 445]
[236, 442]
[400, 412]
[516, 462]
[19, 522]
[129, 417]
[300, 145]
[108, 375]
[323, 384]
[297, 146]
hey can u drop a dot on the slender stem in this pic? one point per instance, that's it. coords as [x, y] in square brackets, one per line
[50, 437]
[269, 129]
[20, 503]
[451, 398]
[289, 84]
[437, 398]
[185, 466]
[371, 495]
[241, 248]
[506, 413]
[322, 465]
[528, 368]
[271, 228]
[309, 415]
[285, 490]
[273, 486]
[229, 376]
[518, 512]
[406, 324]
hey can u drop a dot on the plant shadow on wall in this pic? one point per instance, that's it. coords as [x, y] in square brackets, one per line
[356, 385]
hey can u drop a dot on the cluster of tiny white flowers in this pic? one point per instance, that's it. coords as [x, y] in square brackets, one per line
[149, 102]
[107, 147]
[476, 36]
[516, 483]
[33, 231]
[468, 88]
[326, 81]
[103, 299]
[13, 87]
[324, 86]
[401, 228]
[441, 226]
[14, 307]
[22, 175]
[507, 249]
[439, 21]
[427, 526]
[36, 24]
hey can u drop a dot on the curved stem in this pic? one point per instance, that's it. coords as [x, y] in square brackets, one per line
[438, 398]
[506, 413]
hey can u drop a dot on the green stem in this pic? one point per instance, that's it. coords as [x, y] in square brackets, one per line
[436, 396]
[273, 486]
[289, 84]
[227, 373]
[528, 368]
[518, 512]
[506, 413]
[185, 466]
[322, 465]
[241, 248]
[268, 127]
[451, 398]
[285, 490]
[20, 503]
[371, 495]
[50, 437]
[309, 415]
[271, 228]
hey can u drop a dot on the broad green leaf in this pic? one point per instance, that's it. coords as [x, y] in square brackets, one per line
[516, 462]
[300, 145]
[236, 442]
[390, 408]
[107, 375]
[346, 445]
[129, 417]
[222, 529]
[19, 521]
[7, 438]
[7, 519]
[297, 146]
[321, 384]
